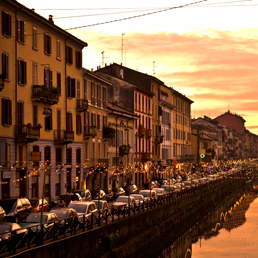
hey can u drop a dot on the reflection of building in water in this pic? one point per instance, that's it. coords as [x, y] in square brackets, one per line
[237, 215]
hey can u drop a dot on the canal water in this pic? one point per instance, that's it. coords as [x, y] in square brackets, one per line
[230, 230]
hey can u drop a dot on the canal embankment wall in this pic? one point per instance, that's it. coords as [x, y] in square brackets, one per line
[130, 236]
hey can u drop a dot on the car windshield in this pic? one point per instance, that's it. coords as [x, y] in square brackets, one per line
[34, 202]
[35, 218]
[159, 190]
[79, 208]
[82, 194]
[137, 197]
[5, 228]
[98, 203]
[61, 214]
[123, 199]
[145, 194]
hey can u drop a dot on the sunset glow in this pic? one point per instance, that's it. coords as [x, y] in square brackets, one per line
[207, 51]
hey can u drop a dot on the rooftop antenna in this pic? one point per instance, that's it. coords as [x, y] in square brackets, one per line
[122, 49]
[102, 53]
[154, 68]
[228, 107]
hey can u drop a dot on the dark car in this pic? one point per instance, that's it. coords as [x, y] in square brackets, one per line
[131, 189]
[109, 194]
[85, 194]
[67, 217]
[36, 204]
[16, 209]
[11, 235]
[65, 199]
[98, 194]
[118, 192]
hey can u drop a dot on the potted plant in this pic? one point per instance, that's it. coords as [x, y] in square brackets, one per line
[29, 125]
[39, 125]
[56, 90]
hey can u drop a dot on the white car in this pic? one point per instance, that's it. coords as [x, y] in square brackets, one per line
[160, 191]
[122, 201]
[139, 199]
[149, 194]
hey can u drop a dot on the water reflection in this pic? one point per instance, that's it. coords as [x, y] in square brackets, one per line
[222, 232]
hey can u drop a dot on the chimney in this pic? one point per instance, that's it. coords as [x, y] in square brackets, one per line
[51, 18]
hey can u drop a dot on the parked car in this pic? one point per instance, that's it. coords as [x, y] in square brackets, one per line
[65, 199]
[139, 199]
[109, 194]
[160, 191]
[85, 194]
[16, 209]
[101, 204]
[66, 216]
[130, 189]
[149, 194]
[169, 188]
[36, 204]
[85, 208]
[119, 191]
[189, 184]
[121, 202]
[2, 214]
[98, 194]
[34, 219]
[7, 230]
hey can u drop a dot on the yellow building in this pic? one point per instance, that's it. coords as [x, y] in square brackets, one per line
[41, 105]
[181, 128]
[95, 160]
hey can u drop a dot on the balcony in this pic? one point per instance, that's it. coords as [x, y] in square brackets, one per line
[108, 132]
[146, 156]
[103, 162]
[81, 105]
[45, 95]
[148, 133]
[159, 139]
[63, 137]
[90, 131]
[124, 150]
[27, 133]
[141, 131]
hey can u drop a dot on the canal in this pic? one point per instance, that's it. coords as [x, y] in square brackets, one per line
[229, 230]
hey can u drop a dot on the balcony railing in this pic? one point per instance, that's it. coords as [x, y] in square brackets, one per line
[146, 156]
[44, 94]
[63, 136]
[141, 131]
[27, 133]
[148, 133]
[124, 150]
[159, 139]
[81, 105]
[108, 132]
[90, 131]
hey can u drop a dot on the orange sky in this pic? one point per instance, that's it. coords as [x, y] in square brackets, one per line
[206, 51]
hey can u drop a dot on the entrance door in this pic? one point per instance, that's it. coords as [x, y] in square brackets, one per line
[22, 183]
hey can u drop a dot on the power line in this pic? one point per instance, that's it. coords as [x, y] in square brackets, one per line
[137, 16]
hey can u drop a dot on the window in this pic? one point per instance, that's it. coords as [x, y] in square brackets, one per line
[69, 55]
[34, 38]
[69, 156]
[6, 24]
[48, 78]
[98, 121]
[78, 124]
[69, 122]
[58, 49]
[104, 98]
[98, 95]
[104, 120]
[78, 156]
[78, 59]
[78, 89]
[93, 93]
[5, 65]
[58, 81]
[70, 87]
[6, 111]
[47, 44]
[21, 31]
[22, 72]
[47, 153]
[34, 74]
[48, 121]
[85, 88]
[93, 120]
[35, 115]
[86, 150]
[58, 156]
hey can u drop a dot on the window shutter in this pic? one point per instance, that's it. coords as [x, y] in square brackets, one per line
[3, 111]
[45, 77]
[19, 71]
[51, 79]
[25, 72]
[4, 23]
[4, 65]
[18, 29]
[72, 87]
[98, 121]
[24, 34]
[35, 115]
[10, 112]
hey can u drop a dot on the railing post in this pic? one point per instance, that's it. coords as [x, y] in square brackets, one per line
[98, 218]
[65, 228]
[129, 211]
[83, 222]
[54, 231]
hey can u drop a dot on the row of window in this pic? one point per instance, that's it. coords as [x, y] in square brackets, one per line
[21, 38]
[142, 103]
[181, 135]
